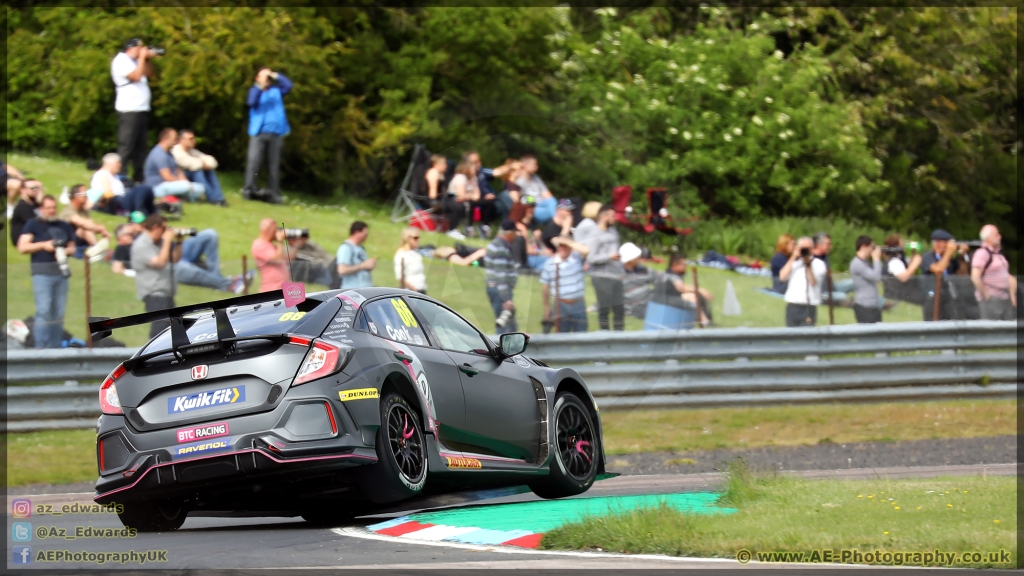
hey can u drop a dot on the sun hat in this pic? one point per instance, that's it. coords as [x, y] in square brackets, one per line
[629, 251]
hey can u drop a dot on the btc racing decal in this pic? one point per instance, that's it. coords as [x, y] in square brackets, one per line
[360, 394]
[202, 448]
[462, 462]
[202, 432]
[205, 399]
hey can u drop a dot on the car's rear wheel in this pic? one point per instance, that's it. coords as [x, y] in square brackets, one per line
[577, 450]
[401, 468]
[153, 517]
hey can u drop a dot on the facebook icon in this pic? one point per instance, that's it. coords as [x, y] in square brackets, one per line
[22, 554]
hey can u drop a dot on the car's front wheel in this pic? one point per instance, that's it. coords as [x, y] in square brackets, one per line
[153, 517]
[577, 450]
[401, 468]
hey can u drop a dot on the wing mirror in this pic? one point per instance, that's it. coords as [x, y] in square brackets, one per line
[512, 344]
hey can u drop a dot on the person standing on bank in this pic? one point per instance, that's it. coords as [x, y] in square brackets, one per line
[865, 281]
[131, 70]
[996, 288]
[268, 123]
[805, 274]
[561, 280]
[409, 269]
[606, 270]
[49, 284]
[154, 253]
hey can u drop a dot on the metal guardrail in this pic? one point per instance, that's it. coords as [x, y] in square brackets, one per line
[699, 368]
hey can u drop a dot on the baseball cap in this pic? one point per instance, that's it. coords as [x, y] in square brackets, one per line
[566, 204]
[507, 225]
[941, 234]
[133, 43]
[629, 251]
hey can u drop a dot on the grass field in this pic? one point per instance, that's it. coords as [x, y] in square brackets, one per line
[462, 288]
[787, 514]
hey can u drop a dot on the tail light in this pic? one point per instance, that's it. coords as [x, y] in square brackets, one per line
[323, 359]
[109, 402]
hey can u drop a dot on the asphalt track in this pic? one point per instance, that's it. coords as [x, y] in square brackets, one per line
[275, 543]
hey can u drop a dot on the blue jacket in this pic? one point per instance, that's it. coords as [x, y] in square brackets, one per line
[266, 108]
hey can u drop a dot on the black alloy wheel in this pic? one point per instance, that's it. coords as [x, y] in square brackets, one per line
[406, 442]
[576, 442]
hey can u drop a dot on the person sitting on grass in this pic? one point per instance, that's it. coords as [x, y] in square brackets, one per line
[198, 167]
[107, 193]
[199, 264]
[636, 281]
[162, 171]
[670, 289]
[86, 229]
[461, 255]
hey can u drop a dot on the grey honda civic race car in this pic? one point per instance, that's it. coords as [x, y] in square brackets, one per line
[331, 408]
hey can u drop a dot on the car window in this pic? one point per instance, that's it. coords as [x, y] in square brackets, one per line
[453, 333]
[391, 318]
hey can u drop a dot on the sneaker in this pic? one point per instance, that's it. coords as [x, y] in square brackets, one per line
[65, 196]
[237, 284]
[222, 203]
[456, 234]
[101, 257]
[485, 231]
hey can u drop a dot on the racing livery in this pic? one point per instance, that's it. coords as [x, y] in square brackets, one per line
[331, 408]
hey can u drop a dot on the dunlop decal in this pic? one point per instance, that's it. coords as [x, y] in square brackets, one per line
[360, 394]
[462, 462]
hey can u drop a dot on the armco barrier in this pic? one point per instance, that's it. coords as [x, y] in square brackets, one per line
[698, 368]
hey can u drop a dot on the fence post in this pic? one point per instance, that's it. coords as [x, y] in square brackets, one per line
[831, 294]
[245, 275]
[558, 303]
[938, 296]
[696, 295]
[88, 303]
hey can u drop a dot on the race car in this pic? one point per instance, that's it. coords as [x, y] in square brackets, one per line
[330, 408]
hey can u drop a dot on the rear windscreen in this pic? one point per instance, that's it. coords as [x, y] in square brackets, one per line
[246, 322]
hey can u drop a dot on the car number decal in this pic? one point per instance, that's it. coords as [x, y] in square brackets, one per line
[462, 462]
[291, 316]
[359, 394]
[205, 399]
[404, 313]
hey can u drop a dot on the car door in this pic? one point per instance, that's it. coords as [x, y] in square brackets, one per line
[501, 406]
[430, 368]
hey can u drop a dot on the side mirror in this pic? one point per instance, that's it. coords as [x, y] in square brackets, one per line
[512, 344]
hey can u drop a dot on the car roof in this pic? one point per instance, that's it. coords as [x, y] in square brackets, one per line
[374, 292]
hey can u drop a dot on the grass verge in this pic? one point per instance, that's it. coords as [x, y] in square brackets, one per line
[785, 514]
[53, 457]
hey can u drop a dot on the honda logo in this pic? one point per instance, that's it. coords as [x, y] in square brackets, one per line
[200, 372]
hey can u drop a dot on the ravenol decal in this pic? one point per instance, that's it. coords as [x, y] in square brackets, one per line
[200, 432]
[462, 462]
[205, 399]
[202, 447]
[360, 394]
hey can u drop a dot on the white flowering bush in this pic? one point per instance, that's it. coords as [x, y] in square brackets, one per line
[723, 120]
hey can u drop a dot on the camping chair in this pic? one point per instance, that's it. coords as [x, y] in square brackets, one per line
[657, 200]
[411, 200]
[621, 197]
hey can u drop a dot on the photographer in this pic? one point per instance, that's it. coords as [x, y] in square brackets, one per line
[312, 263]
[996, 289]
[131, 70]
[152, 256]
[943, 260]
[268, 123]
[805, 274]
[48, 240]
[200, 258]
[897, 265]
[271, 257]
[865, 280]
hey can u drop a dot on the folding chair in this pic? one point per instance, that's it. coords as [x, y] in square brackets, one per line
[410, 198]
[657, 201]
[621, 197]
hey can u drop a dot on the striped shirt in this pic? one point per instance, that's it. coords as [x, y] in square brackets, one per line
[570, 277]
[500, 269]
[636, 290]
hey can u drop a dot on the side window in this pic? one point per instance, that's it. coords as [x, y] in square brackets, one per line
[391, 318]
[453, 333]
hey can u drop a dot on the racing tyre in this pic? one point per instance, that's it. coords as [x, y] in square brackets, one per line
[153, 517]
[577, 450]
[401, 468]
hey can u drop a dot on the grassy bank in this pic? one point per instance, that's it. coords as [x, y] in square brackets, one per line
[787, 514]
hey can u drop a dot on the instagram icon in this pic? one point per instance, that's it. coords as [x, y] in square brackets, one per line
[21, 508]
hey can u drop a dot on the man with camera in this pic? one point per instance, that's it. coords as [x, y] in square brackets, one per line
[944, 260]
[153, 255]
[131, 70]
[805, 274]
[354, 265]
[200, 258]
[995, 287]
[272, 259]
[49, 240]
[312, 263]
[268, 123]
[865, 281]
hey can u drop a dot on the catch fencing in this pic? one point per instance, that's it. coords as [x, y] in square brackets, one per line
[670, 369]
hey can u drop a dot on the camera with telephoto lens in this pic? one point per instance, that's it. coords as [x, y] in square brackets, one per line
[805, 252]
[892, 250]
[292, 233]
[61, 254]
[182, 232]
[156, 50]
[504, 318]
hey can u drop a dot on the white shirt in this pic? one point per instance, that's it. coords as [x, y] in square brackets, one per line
[532, 186]
[896, 266]
[101, 180]
[131, 96]
[414, 272]
[797, 292]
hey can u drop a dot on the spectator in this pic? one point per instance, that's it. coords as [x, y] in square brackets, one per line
[805, 274]
[670, 289]
[463, 192]
[15, 179]
[460, 255]
[409, 262]
[865, 280]
[131, 70]
[27, 207]
[199, 264]
[153, 255]
[606, 269]
[121, 259]
[107, 193]
[588, 225]
[559, 225]
[354, 266]
[498, 203]
[996, 288]
[162, 172]
[562, 280]
[942, 260]
[49, 285]
[525, 248]
[312, 264]
[636, 281]
[783, 250]
[532, 186]
[86, 229]
[500, 271]
[897, 265]
[270, 255]
[433, 179]
[198, 167]
[268, 123]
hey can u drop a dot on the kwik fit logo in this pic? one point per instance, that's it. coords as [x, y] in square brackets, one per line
[205, 399]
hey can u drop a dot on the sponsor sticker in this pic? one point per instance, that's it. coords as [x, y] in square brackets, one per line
[521, 361]
[462, 462]
[417, 339]
[202, 432]
[372, 327]
[205, 399]
[359, 394]
[202, 448]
